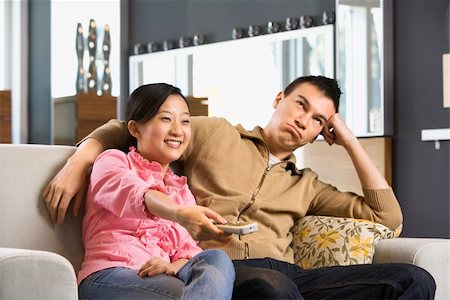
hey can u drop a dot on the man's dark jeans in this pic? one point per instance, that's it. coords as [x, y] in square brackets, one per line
[268, 278]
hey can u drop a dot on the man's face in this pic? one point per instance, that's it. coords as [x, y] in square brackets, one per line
[299, 118]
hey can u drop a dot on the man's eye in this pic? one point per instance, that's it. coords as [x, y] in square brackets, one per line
[186, 122]
[300, 103]
[318, 121]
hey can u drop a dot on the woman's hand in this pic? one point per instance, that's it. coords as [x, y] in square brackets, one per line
[156, 266]
[198, 222]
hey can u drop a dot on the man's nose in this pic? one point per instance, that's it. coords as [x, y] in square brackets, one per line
[301, 122]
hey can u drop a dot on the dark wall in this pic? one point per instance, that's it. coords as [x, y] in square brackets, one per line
[156, 20]
[420, 172]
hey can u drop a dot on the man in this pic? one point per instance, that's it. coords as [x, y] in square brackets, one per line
[251, 176]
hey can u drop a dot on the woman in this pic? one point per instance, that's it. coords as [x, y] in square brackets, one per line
[134, 244]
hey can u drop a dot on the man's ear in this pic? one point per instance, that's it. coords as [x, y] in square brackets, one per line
[278, 98]
[133, 128]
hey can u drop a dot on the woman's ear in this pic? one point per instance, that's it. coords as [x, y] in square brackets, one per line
[133, 128]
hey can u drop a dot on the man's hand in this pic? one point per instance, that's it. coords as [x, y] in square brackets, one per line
[337, 132]
[71, 181]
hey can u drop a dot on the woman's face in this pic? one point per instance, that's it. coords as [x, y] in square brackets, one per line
[166, 135]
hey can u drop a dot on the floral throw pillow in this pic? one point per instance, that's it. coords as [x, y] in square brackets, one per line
[321, 241]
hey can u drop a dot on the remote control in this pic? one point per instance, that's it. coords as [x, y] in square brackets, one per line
[238, 227]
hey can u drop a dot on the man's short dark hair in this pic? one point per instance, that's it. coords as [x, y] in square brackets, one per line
[328, 86]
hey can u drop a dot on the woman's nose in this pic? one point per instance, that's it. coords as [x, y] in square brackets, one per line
[176, 128]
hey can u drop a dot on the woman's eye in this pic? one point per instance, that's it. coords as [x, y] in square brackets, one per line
[165, 118]
[186, 122]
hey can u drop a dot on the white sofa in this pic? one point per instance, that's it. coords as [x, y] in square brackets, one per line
[39, 260]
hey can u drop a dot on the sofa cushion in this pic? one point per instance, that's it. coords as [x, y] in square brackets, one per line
[321, 241]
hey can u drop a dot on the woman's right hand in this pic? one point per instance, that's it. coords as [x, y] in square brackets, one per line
[198, 222]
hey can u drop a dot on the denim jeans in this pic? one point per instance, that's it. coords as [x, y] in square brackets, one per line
[208, 275]
[272, 279]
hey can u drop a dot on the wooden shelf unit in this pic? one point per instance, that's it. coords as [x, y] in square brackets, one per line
[5, 117]
[94, 111]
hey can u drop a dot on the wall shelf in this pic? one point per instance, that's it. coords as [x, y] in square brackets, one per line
[436, 135]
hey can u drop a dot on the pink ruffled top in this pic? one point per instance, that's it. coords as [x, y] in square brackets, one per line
[117, 228]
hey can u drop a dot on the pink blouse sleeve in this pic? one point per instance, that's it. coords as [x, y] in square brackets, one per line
[117, 188]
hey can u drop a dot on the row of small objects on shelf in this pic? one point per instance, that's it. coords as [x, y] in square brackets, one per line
[237, 33]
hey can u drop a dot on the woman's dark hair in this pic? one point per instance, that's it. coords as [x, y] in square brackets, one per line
[327, 85]
[145, 101]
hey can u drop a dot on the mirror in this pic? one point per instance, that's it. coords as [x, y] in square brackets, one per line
[364, 65]
[240, 76]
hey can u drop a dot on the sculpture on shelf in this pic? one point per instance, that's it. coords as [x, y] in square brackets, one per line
[79, 46]
[92, 47]
[106, 80]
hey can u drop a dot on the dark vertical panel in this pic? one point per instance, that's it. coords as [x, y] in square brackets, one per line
[421, 173]
[39, 72]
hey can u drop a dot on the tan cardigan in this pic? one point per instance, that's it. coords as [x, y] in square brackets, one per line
[227, 169]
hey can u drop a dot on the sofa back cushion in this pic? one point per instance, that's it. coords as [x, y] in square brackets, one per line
[24, 219]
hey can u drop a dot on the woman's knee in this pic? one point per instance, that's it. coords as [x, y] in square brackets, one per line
[218, 258]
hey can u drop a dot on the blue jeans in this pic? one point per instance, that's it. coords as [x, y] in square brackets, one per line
[272, 279]
[208, 275]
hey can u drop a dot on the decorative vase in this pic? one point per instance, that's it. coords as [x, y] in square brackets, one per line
[92, 47]
[79, 47]
[106, 48]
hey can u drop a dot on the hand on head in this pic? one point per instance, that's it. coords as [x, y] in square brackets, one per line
[337, 132]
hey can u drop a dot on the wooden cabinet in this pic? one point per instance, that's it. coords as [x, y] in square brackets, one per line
[198, 106]
[94, 111]
[5, 117]
[334, 166]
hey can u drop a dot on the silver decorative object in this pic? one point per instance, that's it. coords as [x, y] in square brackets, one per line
[254, 30]
[169, 44]
[199, 39]
[92, 47]
[292, 23]
[79, 47]
[185, 41]
[106, 48]
[139, 49]
[273, 27]
[238, 33]
[328, 17]
[153, 47]
[306, 21]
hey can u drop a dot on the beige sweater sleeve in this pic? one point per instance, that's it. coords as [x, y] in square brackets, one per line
[112, 135]
[377, 205]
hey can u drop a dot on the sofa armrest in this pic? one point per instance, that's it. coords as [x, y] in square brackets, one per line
[432, 255]
[32, 274]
